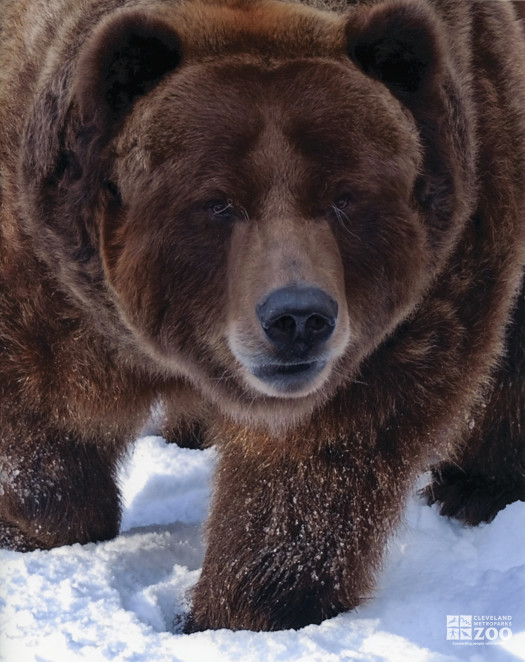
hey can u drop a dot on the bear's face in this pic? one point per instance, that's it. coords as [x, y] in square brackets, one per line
[260, 227]
[267, 228]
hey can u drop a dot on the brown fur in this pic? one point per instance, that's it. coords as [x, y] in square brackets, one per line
[166, 168]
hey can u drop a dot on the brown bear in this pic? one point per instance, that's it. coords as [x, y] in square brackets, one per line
[300, 225]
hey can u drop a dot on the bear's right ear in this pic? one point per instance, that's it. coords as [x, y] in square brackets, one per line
[128, 54]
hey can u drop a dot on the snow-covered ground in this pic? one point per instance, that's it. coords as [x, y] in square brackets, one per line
[123, 599]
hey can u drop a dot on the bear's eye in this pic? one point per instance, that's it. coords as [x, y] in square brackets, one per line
[221, 209]
[342, 203]
[113, 191]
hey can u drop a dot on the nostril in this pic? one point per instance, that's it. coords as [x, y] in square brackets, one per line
[319, 324]
[282, 329]
[284, 324]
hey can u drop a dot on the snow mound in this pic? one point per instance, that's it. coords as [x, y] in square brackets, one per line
[123, 600]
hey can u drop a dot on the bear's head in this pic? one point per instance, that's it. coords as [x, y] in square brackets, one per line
[260, 191]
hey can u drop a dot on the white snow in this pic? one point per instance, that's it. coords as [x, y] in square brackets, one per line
[122, 600]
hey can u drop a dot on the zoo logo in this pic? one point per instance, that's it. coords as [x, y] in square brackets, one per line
[468, 630]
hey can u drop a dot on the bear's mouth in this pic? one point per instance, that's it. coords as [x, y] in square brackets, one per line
[270, 371]
[288, 378]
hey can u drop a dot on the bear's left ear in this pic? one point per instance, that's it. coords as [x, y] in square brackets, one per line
[398, 43]
[127, 55]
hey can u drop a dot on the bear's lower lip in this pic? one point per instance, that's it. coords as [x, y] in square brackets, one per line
[278, 369]
[288, 377]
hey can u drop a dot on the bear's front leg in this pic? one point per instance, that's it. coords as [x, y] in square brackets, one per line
[294, 538]
[489, 471]
[56, 489]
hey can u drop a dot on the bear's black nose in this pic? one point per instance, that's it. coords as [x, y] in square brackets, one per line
[297, 319]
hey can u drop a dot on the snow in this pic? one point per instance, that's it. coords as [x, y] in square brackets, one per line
[123, 600]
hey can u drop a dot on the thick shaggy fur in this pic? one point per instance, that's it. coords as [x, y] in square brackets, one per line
[168, 167]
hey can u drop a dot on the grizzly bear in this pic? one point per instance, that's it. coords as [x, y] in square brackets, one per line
[299, 225]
